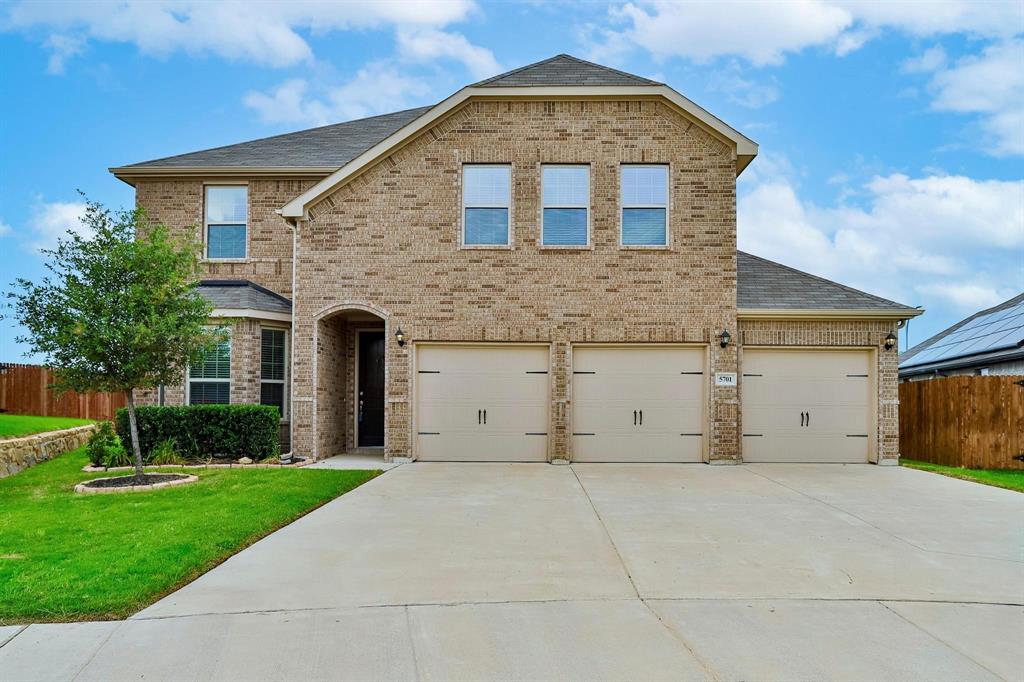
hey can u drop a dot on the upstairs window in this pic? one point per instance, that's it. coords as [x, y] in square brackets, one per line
[227, 213]
[644, 205]
[486, 198]
[273, 362]
[209, 381]
[566, 205]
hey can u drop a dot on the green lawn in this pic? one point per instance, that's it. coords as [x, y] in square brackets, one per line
[66, 557]
[14, 425]
[1001, 478]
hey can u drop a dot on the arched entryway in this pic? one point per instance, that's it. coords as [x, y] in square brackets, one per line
[351, 379]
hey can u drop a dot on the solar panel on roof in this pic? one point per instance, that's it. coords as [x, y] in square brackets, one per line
[998, 330]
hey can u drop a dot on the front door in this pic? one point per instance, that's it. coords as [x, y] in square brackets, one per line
[370, 406]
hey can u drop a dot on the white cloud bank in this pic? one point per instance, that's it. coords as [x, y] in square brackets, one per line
[267, 33]
[52, 220]
[951, 240]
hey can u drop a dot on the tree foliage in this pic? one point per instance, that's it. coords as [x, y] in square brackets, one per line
[119, 309]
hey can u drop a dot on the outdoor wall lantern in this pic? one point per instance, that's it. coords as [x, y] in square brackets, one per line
[400, 337]
[890, 341]
[723, 338]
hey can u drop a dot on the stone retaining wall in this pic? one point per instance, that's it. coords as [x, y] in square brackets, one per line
[17, 454]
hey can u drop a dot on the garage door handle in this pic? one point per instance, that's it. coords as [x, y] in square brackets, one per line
[634, 417]
[641, 417]
[485, 416]
[802, 417]
[808, 419]
[479, 416]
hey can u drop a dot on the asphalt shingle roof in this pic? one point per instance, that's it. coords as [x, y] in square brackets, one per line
[241, 294]
[329, 146]
[764, 284]
[562, 70]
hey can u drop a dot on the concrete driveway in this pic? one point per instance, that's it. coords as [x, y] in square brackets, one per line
[603, 571]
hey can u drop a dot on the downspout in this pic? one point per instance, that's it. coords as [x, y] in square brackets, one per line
[294, 227]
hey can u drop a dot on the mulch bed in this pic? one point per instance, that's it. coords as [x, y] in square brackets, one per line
[129, 481]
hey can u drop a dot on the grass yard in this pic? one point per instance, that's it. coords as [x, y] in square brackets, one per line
[68, 557]
[14, 425]
[1001, 478]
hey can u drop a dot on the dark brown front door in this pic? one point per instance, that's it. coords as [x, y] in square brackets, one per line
[371, 389]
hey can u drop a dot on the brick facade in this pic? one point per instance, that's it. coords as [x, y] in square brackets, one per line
[384, 248]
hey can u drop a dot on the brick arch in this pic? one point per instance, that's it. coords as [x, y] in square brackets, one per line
[344, 306]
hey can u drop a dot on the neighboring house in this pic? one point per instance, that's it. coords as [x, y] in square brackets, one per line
[988, 342]
[541, 267]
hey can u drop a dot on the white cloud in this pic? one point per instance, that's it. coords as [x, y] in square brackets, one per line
[430, 44]
[952, 240]
[742, 91]
[261, 32]
[762, 33]
[377, 88]
[52, 220]
[928, 61]
[5, 229]
[990, 85]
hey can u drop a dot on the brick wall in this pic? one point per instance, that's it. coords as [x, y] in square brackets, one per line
[390, 240]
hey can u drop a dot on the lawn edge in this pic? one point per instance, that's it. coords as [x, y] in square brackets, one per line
[959, 476]
[94, 617]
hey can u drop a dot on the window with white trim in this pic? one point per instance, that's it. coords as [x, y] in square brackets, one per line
[274, 369]
[486, 200]
[565, 194]
[226, 215]
[209, 380]
[644, 194]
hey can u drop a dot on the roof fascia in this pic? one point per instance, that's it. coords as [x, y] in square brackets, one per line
[826, 314]
[251, 313]
[746, 149]
[131, 175]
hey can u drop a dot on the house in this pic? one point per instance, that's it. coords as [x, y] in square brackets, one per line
[541, 267]
[989, 342]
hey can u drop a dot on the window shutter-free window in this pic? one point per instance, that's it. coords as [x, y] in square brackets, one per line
[209, 380]
[273, 359]
[486, 197]
[565, 194]
[226, 219]
[644, 198]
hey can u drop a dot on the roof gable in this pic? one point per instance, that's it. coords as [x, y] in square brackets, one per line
[563, 70]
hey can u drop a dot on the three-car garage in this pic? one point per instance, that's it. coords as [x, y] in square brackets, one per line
[639, 403]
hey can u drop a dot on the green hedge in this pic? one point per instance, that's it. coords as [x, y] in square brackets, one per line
[202, 431]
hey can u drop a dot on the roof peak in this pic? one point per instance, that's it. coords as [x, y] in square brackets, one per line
[564, 70]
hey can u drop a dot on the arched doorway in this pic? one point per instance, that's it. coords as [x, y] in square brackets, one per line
[351, 379]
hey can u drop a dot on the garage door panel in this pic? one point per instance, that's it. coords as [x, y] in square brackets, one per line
[613, 385]
[806, 406]
[457, 384]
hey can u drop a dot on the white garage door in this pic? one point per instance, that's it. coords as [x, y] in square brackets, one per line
[637, 404]
[806, 406]
[482, 403]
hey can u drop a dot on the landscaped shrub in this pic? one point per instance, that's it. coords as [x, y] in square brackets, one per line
[165, 453]
[104, 446]
[205, 431]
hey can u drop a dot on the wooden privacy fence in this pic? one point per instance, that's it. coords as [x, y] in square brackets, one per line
[969, 421]
[23, 390]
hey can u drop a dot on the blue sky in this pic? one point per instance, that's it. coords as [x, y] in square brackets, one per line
[892, 134]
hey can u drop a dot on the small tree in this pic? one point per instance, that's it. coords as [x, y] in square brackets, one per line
[120, 310]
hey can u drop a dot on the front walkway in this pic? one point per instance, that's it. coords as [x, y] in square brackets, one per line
[480, 571]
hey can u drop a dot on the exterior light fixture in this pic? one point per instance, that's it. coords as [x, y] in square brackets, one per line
[400, 337]
[890, 341]
[723, 338]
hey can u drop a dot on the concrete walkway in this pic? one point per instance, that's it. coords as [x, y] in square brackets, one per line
[597, 572]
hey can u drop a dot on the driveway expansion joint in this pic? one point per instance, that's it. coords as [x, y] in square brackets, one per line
[20, 630]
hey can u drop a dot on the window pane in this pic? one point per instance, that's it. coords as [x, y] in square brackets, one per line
[565, 226]
[643, 226]
[272, 394]
[272, 355]
[216, 364]
[209, 392]
[644, 185]
[225, 241]
[226, 204]
[486, 226]
[486, 185]
[566, 186]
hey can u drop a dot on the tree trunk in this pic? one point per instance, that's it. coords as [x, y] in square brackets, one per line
[136, 451]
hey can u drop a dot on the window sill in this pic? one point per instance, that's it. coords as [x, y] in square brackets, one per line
[645, 247]
[236, 261]
[566, 247]
[486, 247]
